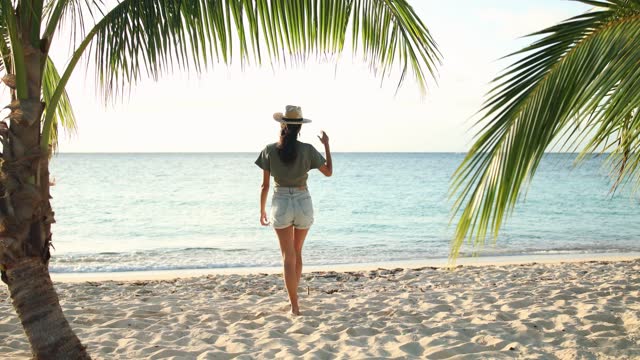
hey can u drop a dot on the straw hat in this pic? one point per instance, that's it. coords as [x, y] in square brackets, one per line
[292, 115]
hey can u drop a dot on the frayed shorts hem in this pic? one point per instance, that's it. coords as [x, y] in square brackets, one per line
[280, 227]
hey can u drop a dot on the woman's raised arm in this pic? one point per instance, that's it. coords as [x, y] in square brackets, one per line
[327, 168]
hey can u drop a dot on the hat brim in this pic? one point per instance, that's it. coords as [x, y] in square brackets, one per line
[279, 117]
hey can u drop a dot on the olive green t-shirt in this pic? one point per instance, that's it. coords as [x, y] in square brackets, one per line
[294, 174]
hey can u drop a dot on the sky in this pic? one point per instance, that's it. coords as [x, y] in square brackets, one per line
[229, 110]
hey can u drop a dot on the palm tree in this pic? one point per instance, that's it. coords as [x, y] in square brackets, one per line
[149, 37]
[576, 87]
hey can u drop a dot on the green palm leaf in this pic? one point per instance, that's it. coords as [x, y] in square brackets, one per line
[151, 37]
[70, 14]
[578, 84]
[5, 49]
[62, 113]
[10, 30]
[154, 35]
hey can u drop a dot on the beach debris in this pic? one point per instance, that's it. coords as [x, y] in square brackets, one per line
[425, 268]
[382, 271]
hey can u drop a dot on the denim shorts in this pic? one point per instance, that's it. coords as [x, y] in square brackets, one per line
[291, 206]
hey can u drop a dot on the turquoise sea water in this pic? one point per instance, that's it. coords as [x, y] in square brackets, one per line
[123, 212]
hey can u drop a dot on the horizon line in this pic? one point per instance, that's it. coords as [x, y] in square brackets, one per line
[257, 152]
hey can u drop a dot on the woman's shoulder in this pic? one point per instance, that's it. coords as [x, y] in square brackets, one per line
[270, 147]
[306, 146]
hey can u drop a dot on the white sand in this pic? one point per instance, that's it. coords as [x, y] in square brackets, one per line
[588, 310]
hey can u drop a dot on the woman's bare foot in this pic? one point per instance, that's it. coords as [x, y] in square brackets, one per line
[295, 310]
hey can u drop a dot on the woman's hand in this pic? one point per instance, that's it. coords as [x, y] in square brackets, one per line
[324, 139]
[264, 219]
[327, 167]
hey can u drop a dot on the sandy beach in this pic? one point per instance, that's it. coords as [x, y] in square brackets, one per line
[580, 310]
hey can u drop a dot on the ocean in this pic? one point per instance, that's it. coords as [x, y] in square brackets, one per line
[137, 212]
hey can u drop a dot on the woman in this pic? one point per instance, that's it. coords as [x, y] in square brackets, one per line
[289, 161]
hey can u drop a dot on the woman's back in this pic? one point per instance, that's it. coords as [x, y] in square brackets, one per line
[295, 173]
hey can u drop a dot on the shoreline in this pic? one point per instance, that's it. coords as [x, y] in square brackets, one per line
[404, 264]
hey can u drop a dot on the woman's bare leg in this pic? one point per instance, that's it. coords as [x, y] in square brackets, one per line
[298, 240]
[286, 238]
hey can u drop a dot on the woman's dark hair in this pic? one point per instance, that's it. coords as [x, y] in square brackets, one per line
[287, 150]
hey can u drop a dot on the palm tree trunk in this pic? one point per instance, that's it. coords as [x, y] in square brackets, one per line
[25, 240]
[37, 305]
[25, 224]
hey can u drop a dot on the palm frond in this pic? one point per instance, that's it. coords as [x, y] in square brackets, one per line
[581, 78]
[70, 13]
[624, 158]
[10, 20]
[62, 113]
[149, 36]
[5, 41]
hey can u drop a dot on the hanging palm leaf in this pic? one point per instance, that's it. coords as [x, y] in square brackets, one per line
[63, 113]
[578, 84]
